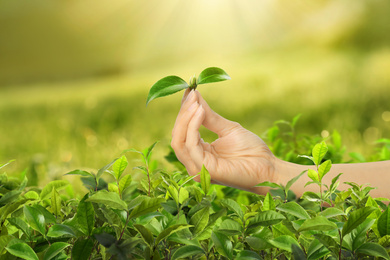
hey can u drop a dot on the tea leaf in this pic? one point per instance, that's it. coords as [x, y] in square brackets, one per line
[230, 227]
[20, 224]
[318, 223]
[329, 243]
[23, 251]
[147, 205]
[104, 169]
[186, 251]
[283, 242]
[223, 245]
[294, 209]
[297, 252]
[313, 175]
[199, 220]
[293, 180]
[212, 74]
[125, 182]
[119, 167]
[86, 217]
[384, 223]
[356, 218]
[166, 86]
[233, 206]
[266, 218]
[319, 152]
[324, 168]
[57, 184]
[269, 184]
[35, 219]
[170, 230]
[58, 230]
[205, 180]
[358, 235]
[332, 212]
[80, 173]
[145, 233]
[268, 203]
[82, 249]
[248, 255]
[56, 203]
[373, 249]
[55, 249]
[110, 199]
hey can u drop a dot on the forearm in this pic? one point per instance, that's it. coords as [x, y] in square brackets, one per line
[374, 174]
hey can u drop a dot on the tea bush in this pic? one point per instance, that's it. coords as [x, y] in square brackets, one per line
[167, 215]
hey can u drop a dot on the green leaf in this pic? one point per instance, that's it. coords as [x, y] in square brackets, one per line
[319, 152]
[86, 217]
[82, 249]
[283, 242]
[223, 245]
[55, 249]
[359, 234]
[356, 218]
[185, 252]
[4, 241]
[233, 206]
[297, 252]
[57, 184]
[316, 250]
[269, 184]
[268, 203]
[124, 182]
[147, 205]
[313, 175]
[212, 74]
[109, 199]
[23, 251]
[247, 255]
[10, 197]
[266, 218]
[149, 151]
[166, 86]
[5, 164]
[329, 243]
[119, 167]
[80, 173]
[230, 227]
[200, 220]
[384, 223]
[145, 233]
[55, 203]
[169, 231]
[21, 225]
[293, 180]
[205, 180]
[294, 209]
[317, 223]
[373, 249]
[104, 169]
[58, 230]
[324, 168]
[35, 219]
[332, 212]
[311, 196]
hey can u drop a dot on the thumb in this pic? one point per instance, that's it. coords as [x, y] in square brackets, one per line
[213, 121]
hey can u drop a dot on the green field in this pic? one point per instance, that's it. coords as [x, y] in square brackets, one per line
[52, 128]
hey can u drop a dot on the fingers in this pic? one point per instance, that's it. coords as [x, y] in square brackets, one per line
[213, 121]
[186, 129]
[193, 140]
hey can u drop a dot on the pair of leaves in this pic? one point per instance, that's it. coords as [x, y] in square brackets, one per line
[172, 84]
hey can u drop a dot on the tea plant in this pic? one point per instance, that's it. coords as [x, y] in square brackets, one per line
[167, 215]
[172, 84]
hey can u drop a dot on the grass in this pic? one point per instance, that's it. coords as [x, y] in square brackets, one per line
[54, 127]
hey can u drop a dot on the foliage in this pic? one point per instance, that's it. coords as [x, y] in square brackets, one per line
[167, 215]
[172, 84]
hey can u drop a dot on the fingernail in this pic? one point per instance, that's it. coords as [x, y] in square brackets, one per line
[192, 107]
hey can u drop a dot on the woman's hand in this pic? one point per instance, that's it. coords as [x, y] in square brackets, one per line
[238, 158]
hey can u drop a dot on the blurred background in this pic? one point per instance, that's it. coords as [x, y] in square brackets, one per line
[74, 75]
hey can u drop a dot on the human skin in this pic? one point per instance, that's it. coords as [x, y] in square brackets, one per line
[241, 159]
